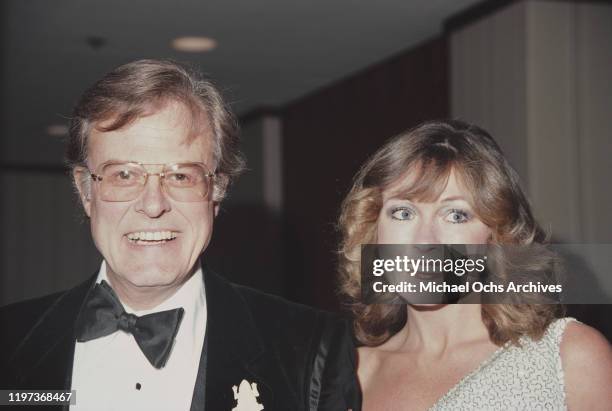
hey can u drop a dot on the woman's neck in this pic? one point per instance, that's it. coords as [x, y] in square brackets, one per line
[432, 329]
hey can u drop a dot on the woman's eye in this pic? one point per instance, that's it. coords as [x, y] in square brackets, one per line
[457, 216]
[402, 213]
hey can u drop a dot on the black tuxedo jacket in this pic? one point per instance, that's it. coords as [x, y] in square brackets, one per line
[300, 358]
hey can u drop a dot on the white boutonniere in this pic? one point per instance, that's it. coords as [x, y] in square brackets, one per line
[246, 396]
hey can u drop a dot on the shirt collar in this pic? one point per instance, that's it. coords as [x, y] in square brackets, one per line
[188, 296]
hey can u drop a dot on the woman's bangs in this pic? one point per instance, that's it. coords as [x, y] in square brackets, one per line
[425, 181]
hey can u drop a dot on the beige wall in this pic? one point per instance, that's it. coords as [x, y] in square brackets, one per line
[538, 76]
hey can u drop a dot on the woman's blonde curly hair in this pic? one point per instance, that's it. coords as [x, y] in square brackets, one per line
[432, 150]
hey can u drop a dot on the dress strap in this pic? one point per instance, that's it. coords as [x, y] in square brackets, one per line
[556, 329]
[555, 335]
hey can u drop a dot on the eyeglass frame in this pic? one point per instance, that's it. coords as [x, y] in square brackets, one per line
[98, 178]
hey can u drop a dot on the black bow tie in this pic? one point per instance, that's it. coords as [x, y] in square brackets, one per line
[103, 314]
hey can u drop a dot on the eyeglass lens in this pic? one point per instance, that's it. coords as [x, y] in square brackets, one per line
[182, 182]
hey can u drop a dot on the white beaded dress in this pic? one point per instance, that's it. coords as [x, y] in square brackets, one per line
[529, 377]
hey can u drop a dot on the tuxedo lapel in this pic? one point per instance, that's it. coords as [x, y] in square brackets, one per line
[234, 351]
[44, 358]
[235, 348]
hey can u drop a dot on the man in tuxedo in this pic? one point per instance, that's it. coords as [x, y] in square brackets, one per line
[153, 149]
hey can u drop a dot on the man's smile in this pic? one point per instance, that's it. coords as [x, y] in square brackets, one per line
[151, 237]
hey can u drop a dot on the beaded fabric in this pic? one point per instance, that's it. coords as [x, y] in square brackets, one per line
[529, 377]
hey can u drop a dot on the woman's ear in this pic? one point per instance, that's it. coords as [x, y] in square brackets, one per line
[82, 182]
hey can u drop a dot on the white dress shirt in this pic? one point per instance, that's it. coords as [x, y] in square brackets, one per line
[112, 373]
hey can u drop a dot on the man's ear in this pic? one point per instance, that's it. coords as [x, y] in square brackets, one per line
[219, 188]
[216, 208]
[82, 182]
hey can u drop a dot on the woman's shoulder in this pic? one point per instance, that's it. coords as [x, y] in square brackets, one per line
[367, 360]
[586, 358]
[371, 360]
[582, 342]
[582, 345]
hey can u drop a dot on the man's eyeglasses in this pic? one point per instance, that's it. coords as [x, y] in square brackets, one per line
[124, 181]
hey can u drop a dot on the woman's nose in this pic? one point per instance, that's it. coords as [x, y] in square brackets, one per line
[425, 234]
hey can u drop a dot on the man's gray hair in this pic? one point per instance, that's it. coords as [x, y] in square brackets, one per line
[132, 90]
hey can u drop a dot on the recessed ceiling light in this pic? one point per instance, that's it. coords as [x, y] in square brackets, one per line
[57, 130]
[194, 44]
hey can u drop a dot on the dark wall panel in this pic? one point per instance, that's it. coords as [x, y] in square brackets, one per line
[328, 134]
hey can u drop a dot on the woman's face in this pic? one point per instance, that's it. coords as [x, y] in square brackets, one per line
[448, 220]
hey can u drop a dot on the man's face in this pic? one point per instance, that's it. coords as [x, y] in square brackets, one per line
[158, 138]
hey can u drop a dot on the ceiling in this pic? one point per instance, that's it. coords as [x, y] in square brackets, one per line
[269, 51]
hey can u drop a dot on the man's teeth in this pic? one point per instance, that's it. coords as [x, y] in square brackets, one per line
[151, 235]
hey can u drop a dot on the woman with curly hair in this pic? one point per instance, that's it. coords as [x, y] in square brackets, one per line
[447, 182]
